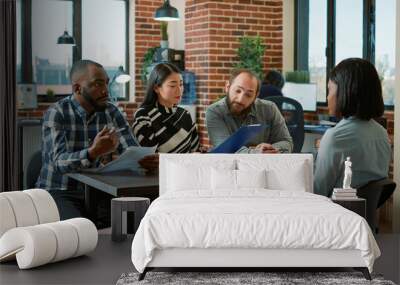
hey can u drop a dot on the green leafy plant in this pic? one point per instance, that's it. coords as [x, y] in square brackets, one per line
[298, 76]
[147, 61]
[164, 31]
[250, 53]
[50, 93]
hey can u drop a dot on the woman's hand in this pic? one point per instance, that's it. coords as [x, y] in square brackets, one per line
[150, 162]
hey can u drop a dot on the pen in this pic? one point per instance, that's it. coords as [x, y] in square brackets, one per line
[113, 129]
[120, 130]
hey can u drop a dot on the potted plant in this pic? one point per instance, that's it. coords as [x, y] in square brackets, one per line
[148, 59]
[50, 95]
[164, 34]
[298, 76]
[250, 53]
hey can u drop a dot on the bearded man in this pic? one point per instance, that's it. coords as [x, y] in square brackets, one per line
[241, 107]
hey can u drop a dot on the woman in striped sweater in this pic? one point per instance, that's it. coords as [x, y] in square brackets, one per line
[159, 121]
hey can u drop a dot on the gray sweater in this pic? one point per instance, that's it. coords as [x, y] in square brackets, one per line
[367, 144]
[221, 124]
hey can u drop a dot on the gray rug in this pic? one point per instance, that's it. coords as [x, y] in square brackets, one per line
[242, 278]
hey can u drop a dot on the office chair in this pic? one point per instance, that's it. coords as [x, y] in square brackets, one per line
[33, 169]
[376, 193]
[292, 111]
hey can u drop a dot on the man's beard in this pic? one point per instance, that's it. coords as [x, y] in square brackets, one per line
[97, 107]
[242, 113]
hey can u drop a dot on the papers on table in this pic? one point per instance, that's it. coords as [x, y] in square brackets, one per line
[128, 160]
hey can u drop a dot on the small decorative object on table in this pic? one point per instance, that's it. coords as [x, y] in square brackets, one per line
[347, 196]
[345, 193]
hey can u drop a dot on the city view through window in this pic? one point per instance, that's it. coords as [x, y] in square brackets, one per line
[103, 40]
[349, 41]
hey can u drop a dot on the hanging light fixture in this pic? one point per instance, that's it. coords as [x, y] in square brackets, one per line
[166, 13]
[66, 39]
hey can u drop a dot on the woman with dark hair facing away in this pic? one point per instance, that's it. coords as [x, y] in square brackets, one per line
[272, 85]
[355, 96]
[159, 121]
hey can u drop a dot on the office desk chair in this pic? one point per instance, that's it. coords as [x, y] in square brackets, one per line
[292, 111]
[33, 169]
[376, 193]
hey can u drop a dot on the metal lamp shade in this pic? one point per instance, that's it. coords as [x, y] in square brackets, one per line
[166, 13]
[66, 39]
[121, 76]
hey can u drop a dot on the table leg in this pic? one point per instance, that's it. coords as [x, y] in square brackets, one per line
[90, 203]
[116, 222]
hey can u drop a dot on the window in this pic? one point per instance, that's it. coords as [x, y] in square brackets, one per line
[51, 62]
[104, 38]
[349, 29]
[339, 29]
[100, 31]
[385, 47]
[316, 47]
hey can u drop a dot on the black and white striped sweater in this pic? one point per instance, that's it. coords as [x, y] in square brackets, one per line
[170, 129]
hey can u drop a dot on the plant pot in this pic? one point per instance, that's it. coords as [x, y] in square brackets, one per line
[164, 44]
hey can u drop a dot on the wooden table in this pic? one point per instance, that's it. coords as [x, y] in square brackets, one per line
[119, 184]
[357, 205]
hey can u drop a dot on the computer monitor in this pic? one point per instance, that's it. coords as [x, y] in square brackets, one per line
[305, 94]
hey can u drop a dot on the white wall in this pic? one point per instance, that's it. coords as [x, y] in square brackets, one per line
[176, 29]
[288, 35]
[396, 164]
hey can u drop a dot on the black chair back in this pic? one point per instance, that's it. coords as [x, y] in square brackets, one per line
[33, 169]
[376, 193]
[292, 111]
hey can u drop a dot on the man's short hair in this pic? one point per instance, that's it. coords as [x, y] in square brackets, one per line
[359, 89]
[236, 72]
[80, 67]
[275, 78]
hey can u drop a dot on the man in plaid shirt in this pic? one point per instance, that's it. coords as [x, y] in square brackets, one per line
[78, 132]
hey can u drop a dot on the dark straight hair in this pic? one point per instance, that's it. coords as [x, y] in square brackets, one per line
[274, 78]
[157, 77]
[359, 89]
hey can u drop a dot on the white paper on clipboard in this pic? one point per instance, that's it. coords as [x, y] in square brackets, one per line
[128, 160]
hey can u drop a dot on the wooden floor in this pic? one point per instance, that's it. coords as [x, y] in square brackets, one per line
[110, 260]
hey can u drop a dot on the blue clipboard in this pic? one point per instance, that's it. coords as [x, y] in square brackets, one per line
[242, 136]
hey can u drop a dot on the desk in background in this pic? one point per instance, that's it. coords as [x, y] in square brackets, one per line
[119, 183]
[316, 129]
[312, 133]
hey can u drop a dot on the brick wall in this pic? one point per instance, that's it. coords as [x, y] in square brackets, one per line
[213, 29]
[147, 35]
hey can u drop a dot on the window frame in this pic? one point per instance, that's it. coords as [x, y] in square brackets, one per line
[26, 42]
[301, 45]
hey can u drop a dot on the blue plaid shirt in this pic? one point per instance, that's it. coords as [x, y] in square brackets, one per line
[67, 133]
